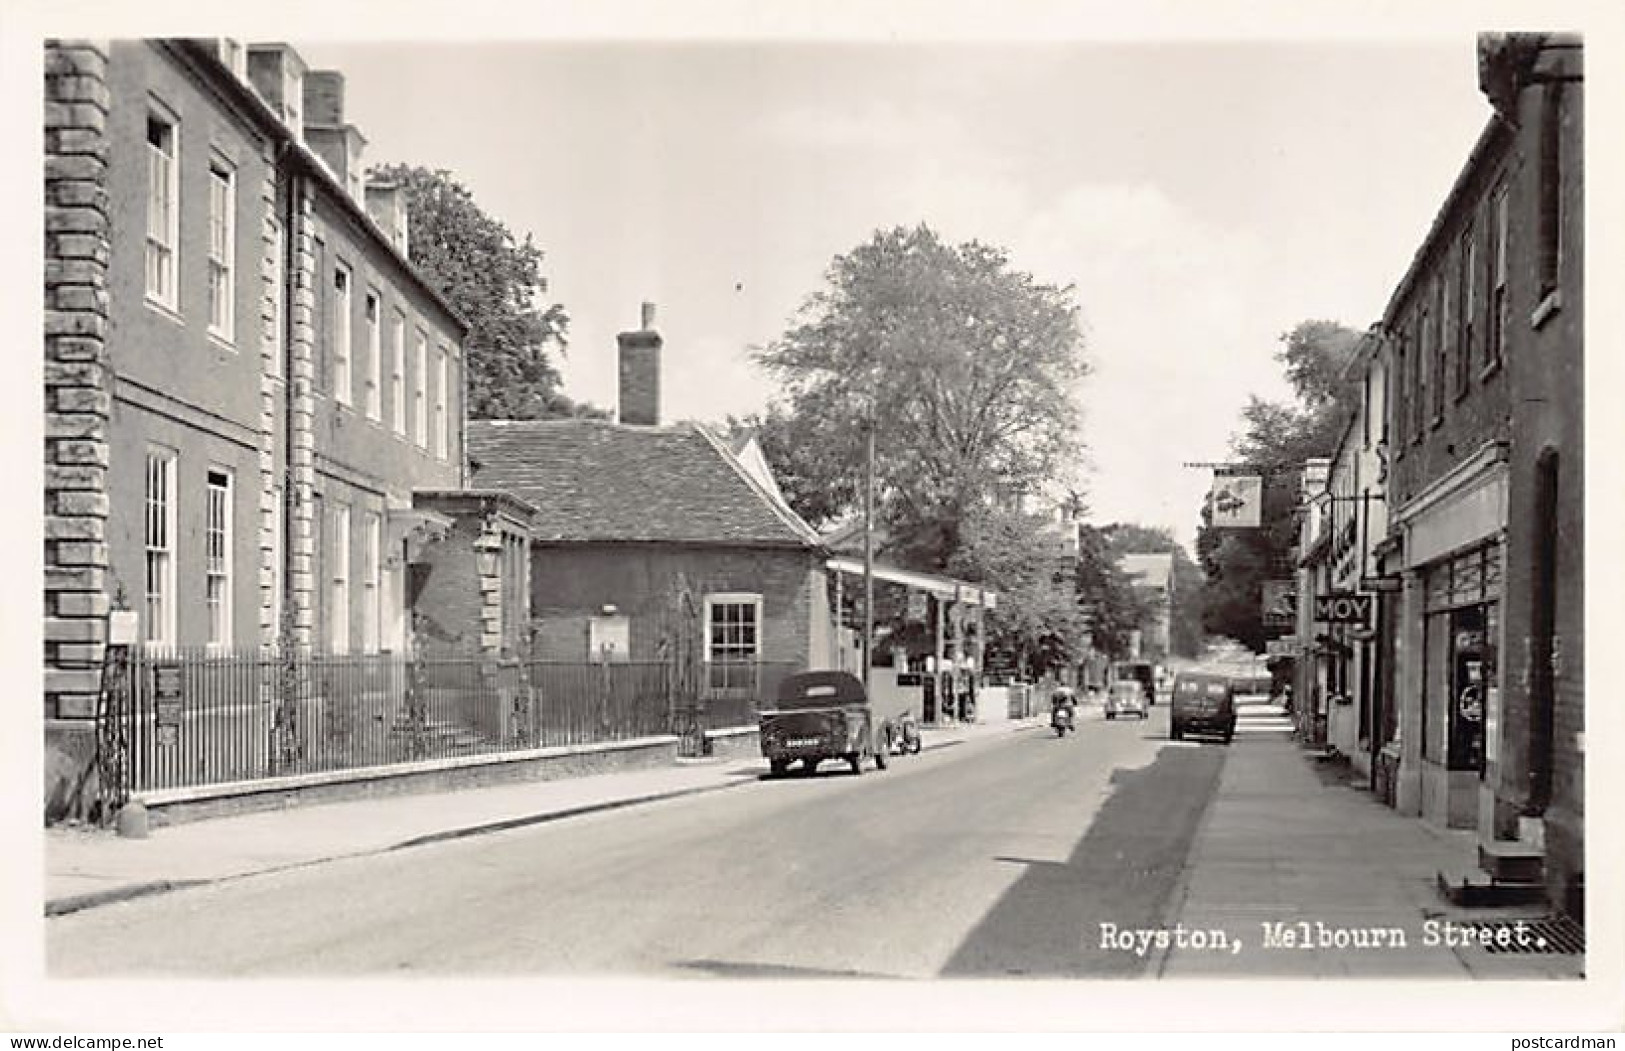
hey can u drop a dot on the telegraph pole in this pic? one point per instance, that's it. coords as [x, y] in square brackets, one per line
[868, 545]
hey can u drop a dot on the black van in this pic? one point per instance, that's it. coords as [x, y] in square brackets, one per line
[1203, 703]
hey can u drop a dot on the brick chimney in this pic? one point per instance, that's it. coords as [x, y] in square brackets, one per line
[640, 372]
[278, 74]
[386, 203]
[338, 144]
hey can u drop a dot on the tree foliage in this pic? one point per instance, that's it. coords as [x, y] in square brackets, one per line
[1038, 619]
[1276, 439]
[811, 459]
[495, 282]
[966, 366]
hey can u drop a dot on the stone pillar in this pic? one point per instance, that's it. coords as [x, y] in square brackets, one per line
[271, 393]
[77, 376]
[301, 451]
[488, 573]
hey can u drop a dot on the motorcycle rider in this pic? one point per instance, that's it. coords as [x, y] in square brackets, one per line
[1063, 700]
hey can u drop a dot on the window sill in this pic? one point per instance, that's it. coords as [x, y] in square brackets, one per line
[222, 341]
[1551, 304]
[163, 309]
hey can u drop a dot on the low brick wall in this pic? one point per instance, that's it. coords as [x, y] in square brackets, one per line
[550, 764]
[741, 743]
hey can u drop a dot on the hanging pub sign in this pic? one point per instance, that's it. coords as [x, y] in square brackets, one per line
[1279, 600]
[1342, 607]
[1236, 501]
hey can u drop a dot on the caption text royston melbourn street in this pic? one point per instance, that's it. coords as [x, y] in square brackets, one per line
[1317, 934]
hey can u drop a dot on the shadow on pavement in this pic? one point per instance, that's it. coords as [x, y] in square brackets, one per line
[1122, 872]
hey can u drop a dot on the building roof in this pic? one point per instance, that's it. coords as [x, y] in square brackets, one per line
[597, 481]
[1149, 571]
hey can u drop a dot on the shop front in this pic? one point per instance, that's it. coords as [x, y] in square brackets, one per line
[1449, 639]
[1461, 693]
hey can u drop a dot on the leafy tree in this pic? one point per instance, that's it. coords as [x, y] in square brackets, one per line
[1038, 618]
[495, 282]
[1276, 440]
[966, 366]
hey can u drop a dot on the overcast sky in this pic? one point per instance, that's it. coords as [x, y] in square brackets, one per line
[1202, 197]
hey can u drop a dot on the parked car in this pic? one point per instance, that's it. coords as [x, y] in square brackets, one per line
[1203, 704]
[1126, 697]
[821, 715]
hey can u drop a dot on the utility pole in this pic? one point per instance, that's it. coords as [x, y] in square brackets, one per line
[868, 546]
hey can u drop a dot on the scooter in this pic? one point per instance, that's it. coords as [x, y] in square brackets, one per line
[1061, 720]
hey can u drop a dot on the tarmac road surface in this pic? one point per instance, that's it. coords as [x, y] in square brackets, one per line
[999, 857]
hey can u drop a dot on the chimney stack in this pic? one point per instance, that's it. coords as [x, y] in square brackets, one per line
[386, 203]
[338, 144]
[640, 373]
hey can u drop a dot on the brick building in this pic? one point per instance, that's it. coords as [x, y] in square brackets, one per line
[647, 538]
[247, 379]
[1481, 352]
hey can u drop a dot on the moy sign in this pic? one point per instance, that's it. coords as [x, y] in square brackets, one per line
[1343, 607]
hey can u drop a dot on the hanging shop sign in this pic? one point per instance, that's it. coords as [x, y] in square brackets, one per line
[1236, 501]
[1342, 607]
[1285, 646]
[1280, 603]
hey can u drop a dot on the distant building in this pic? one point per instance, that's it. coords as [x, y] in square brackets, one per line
[1152, 576]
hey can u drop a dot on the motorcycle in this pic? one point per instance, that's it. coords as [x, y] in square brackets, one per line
[1061, 720]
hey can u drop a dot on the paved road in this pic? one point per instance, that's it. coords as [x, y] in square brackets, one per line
[997, 857]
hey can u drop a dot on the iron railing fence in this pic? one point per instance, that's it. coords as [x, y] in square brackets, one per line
[197, 717]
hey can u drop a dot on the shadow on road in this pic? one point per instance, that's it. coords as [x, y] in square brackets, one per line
[1122, 872]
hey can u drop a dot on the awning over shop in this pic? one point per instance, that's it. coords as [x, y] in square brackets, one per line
[947, 589]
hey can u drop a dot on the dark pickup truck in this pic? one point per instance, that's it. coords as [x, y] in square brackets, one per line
[821, 715]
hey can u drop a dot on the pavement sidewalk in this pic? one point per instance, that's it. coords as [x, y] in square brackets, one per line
[89, 867]
[1284, 842]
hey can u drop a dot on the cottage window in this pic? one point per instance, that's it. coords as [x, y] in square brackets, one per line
[159, 619]
[732, 637]
[1424, 359]
[1469, 308]
[440, 386]
[397, 375]
[1498, 280]
[339, 586]
[222, 250]
[1400, 385]
[420, 381]
[341, 335]
[217, 557]
[375, 358]
[1441, 342]
[163, 208]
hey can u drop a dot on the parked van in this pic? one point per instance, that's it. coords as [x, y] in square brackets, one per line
[1203, 703]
